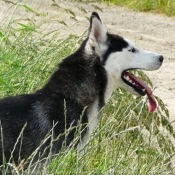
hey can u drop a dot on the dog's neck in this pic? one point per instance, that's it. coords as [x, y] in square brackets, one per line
[110, 87]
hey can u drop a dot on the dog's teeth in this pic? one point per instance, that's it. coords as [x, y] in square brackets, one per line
[127, 78]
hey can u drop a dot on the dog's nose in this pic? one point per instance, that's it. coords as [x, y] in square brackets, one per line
[161, 58]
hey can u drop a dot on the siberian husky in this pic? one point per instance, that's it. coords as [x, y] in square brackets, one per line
[74, 95]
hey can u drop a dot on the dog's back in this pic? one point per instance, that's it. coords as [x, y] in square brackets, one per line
[59, 105]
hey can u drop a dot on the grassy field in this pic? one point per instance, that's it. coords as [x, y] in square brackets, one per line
[159, 6]
[128, 141]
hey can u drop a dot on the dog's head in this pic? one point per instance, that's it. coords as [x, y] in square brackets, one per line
[119, 55]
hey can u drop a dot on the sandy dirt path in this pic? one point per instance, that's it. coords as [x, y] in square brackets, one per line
[149, 31]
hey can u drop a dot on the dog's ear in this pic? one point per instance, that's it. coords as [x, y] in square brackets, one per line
[97, 33]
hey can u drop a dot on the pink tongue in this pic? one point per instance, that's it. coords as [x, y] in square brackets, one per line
[152, 105]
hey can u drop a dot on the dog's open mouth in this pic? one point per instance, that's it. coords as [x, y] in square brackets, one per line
[141, 88]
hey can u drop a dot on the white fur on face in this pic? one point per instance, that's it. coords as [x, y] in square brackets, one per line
[117, 62]
[140, 59]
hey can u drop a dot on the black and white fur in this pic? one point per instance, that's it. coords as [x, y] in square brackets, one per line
[82, 84]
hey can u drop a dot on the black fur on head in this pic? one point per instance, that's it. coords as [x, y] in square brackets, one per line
[93, 15]
[116, 43]
[102, 42]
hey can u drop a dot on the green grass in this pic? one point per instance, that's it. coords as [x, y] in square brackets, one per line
[129, 140]
[160, 6]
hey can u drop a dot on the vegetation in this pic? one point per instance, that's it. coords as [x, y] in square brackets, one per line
[129, 140]
[160, 6]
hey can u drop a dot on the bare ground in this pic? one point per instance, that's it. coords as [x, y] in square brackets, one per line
[149, 31]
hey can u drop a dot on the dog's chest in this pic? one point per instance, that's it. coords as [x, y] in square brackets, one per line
[93, 117]
[93, 121]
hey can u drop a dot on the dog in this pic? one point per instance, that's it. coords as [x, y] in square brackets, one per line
[74, 95]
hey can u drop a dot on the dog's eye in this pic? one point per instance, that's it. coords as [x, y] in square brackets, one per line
[133, 50]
